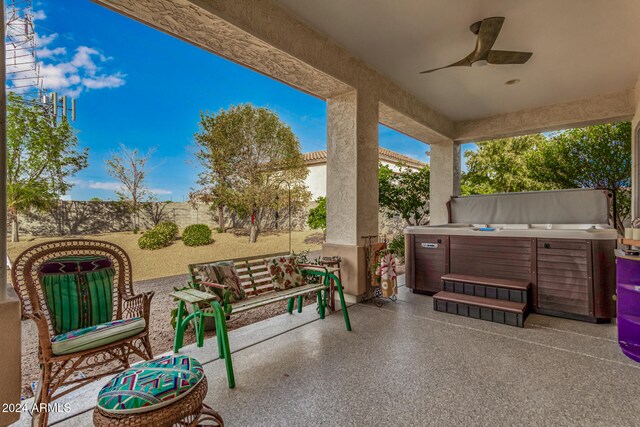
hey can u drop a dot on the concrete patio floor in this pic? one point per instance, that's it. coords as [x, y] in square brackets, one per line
[404, 364]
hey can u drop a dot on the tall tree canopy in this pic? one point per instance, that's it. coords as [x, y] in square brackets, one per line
[591, 157]
[404, 193]
[42, 155]
[500, 166]
[250, 157]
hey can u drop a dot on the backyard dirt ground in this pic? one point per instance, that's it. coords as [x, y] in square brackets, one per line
[162, 270]
[175, 258]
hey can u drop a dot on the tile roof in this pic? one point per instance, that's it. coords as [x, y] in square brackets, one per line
[320, 157]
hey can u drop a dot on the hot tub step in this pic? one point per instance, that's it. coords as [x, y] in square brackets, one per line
[493, 310]
[487, 287]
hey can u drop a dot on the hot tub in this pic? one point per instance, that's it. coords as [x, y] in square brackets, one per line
[570, 264]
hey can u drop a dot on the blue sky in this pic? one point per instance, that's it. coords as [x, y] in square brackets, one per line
[139, 87]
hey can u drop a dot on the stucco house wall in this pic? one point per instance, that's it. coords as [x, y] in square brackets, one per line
[317, 164]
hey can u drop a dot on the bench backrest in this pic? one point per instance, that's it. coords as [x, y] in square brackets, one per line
[253, 273]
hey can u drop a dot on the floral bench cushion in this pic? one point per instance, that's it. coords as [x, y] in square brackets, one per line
[97, 335]
[150, 385]
[78, 291]
[284, 272]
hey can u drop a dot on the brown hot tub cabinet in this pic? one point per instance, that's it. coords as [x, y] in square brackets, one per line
[565, 268]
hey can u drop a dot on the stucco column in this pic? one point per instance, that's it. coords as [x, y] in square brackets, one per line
[10, 371]
[352, 182]
[445, 178]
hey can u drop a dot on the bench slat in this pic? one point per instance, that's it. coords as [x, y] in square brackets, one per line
[272, 297]
[247, 277]
[256, 280]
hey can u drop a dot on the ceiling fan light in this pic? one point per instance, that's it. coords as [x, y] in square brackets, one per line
[480, 63]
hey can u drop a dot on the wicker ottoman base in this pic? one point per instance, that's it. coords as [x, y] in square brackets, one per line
[188, 411]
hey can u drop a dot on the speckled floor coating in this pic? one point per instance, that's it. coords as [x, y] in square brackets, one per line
[406, 365]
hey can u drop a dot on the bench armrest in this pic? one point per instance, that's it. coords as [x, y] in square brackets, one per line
[312, 267]
[214, 285]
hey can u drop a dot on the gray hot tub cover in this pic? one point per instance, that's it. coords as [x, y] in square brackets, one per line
[580, 206]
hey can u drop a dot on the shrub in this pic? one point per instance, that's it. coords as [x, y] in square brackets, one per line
[397, 246]
[219, 230]
[318, 216]
[197, 235]
[153, 239]
[168, 229]
[159, 236]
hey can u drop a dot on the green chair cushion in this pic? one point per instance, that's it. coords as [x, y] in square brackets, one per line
[78, 291]
[97, 335]
[150, 385]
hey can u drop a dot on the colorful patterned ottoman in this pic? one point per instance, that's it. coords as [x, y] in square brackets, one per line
[165, 391]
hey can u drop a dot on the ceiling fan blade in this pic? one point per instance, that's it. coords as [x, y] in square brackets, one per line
[501, 57]
[462, 63]
[487, 35]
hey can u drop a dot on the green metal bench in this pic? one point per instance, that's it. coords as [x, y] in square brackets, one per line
[258, 286]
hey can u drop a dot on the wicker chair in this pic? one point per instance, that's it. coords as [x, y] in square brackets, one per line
[57, 369]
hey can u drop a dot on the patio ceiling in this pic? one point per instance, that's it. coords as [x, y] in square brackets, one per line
[581, 48]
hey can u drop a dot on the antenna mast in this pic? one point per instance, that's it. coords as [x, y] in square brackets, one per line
[22, 65]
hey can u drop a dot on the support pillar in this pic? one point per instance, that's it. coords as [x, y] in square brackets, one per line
[352, 182]
[445, 163]
[10, 371]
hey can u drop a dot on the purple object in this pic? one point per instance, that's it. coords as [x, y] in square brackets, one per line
[628, 290]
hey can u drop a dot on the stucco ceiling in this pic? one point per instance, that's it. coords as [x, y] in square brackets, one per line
[581, 48]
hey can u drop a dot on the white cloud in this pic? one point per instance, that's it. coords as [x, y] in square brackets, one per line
[73, 77]
[48, 53]
[83, 59]
[160, 191]
[45, 40]
[114, 186]
[111, 186]
[83, 71]
[104, 81]
[39, 15]
[58, 76]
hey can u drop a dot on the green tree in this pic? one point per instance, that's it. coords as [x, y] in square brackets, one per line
[318, 216]
[217, 153]
[247, 154]
[42, 155]
[130, 168]
[500, 166]
[591, 157]
[404, 193]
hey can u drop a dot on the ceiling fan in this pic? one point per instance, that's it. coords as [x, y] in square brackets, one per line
[487, 31]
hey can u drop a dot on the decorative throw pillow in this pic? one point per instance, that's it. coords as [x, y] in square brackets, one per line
[284, 272]
[224, 273]
[78, 291]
